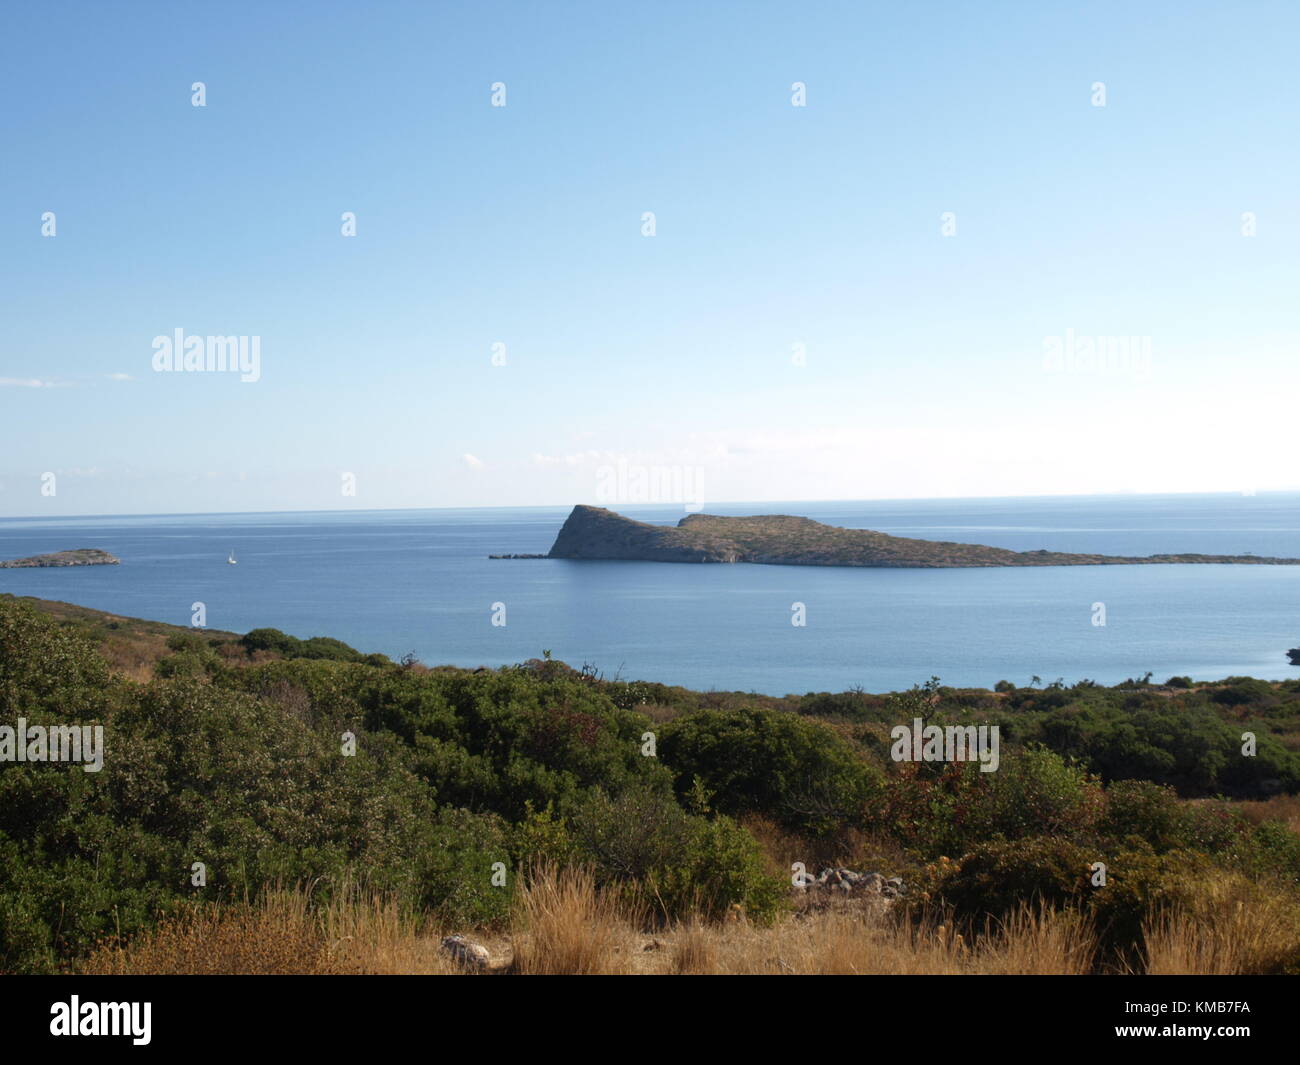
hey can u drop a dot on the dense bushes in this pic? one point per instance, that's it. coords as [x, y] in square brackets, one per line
[192, 774]
[938, 810]
[672, 862]
[279, 760]
[1192, 740]
[504, 741]
[989, 883]
[308, 770]
[996, 877]
[325, 647]
[766, 761]
[1187, 746]
[1154, 814]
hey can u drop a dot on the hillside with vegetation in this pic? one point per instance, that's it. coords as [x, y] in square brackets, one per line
[783, 540]
[349, 810]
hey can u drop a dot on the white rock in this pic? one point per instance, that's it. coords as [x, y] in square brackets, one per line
[466, 952]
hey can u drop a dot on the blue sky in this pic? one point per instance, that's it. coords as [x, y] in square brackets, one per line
[925, 369]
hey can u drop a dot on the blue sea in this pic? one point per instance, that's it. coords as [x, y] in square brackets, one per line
[419, 581]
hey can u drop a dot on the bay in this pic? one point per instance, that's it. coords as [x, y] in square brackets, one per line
[420, 582]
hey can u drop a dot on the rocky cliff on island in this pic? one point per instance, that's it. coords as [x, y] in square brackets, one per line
[784, 540]
[81, 556]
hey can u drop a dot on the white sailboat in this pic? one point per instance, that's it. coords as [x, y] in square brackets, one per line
[231, 559]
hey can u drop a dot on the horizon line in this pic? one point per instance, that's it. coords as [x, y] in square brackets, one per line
[676, 503]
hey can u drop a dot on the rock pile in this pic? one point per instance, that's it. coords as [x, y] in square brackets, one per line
[852, 884]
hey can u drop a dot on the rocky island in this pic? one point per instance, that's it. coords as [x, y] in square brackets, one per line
[80, 556]
[784, 540]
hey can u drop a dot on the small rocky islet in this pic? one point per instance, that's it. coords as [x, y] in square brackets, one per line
[80, 556]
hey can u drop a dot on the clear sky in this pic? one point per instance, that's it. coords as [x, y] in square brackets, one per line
[927, 367]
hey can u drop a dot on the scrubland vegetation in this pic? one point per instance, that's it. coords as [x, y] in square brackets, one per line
[519, 804]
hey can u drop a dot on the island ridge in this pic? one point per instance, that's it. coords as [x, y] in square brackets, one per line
[785, 540]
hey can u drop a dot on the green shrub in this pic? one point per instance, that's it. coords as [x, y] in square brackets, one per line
[458, 866]
[948, 808]
[186, 664]
[191, 642]
[1140, 882]
[1244, 691]
[318, 647]
[997, 877]
[1187, 746]
[542, 838]
[671, 862]
[1271, 850]
[1156, 815]
[796, 771]
[270, 640]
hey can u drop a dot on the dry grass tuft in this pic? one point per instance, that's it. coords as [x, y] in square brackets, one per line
[1038, 941]
[1230, 926]
[281, 934]
[275, 936]
[370, 934]
[695, 950]
[567, 926]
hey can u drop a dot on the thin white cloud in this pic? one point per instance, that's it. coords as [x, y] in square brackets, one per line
[38, 382]
[472, 461]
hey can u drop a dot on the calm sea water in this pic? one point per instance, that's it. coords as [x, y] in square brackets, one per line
[420, 581]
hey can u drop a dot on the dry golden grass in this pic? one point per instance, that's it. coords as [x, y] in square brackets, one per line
[876, 941]
[834, 942]
[370, 934]
[567, 926]
[658, 712]
[694, 950]
[1284, 808]
[563, 924]
[1039, 941]
[282, 934]
[274, 937]
[134, 657]
[1230, 926]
